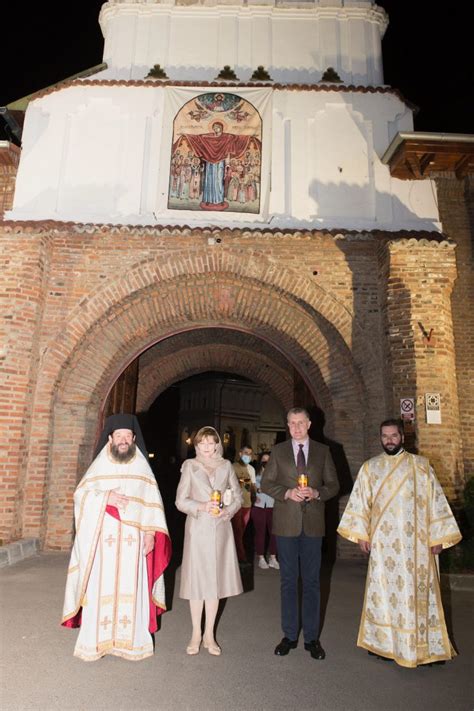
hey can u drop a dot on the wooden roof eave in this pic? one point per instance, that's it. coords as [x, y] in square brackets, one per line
[416, 155]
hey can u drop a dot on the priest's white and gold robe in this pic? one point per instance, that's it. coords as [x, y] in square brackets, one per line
[398, 505]
[108, 591]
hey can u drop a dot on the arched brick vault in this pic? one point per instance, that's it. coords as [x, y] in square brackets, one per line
[223, 336]
[310, 295]
[92, 365]
[162, 371]
[196, 302]
[160, 297]
[274, 370]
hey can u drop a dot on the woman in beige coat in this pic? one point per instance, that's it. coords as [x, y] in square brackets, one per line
[210, 569]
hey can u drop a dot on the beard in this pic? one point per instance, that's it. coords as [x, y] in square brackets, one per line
[123, 457]
[393, 449]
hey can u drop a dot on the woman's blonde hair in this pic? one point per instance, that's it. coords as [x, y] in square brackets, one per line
[206, 432]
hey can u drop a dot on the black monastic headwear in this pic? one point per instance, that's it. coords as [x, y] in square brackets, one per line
[121, 421]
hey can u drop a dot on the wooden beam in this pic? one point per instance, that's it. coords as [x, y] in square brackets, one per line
[425, 161]
[461, 168]
[416, 157]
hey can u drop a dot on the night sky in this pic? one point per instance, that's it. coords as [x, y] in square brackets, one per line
[427, 55]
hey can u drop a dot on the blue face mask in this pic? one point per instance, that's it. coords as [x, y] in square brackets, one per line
[246, 458]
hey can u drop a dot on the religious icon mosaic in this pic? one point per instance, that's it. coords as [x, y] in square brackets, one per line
[216, 155]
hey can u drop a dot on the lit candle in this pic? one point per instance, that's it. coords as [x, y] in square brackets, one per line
[216, 499]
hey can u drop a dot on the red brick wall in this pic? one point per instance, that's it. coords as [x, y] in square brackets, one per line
[98, 297]
[9, 159]
[456, 206]
[418, 294]
[23, 277]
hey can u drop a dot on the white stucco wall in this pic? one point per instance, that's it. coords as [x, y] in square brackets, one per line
[295, 41]
[101, 154]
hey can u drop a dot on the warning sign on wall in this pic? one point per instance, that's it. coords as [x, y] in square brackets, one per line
[407, 408]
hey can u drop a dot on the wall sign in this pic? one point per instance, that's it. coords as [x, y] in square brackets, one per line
[433, 408]
[407, 408]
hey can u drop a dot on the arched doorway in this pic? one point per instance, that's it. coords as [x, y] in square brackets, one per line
[305, 331]
[242, 410]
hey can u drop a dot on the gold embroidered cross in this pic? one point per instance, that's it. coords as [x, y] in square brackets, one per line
[130, 539]
[110, 540]
[105, 622]
[125, 621]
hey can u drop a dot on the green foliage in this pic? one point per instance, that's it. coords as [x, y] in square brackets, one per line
[469, 501]
[460, 558]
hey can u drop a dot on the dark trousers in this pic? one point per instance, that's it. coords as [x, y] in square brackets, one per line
[299, 554]
[262, 522]
[239, 524]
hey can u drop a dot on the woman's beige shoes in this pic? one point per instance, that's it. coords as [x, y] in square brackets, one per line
[212, 648]
[193, 647]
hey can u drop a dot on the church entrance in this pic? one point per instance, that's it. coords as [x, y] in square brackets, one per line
[166, 320]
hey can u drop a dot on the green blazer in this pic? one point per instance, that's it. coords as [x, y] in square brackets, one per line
[289, 517]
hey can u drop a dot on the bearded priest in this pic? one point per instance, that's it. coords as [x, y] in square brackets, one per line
[399, 516]
[115, 585]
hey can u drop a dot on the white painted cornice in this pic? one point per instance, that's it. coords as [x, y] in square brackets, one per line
[330, 10]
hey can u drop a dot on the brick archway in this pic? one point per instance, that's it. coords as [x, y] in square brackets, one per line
[313, 348]
[153, 301]
[217, 357]
[193, 262]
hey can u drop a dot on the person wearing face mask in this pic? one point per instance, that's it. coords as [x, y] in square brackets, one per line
[209, 570]
[262, 516]
[246, 475]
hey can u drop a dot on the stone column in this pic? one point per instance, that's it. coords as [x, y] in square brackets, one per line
[456, 209]
[23, 266]
[420, 348]
[71, 453]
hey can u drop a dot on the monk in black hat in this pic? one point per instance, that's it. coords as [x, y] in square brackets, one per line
[115, 584]
[122, 421]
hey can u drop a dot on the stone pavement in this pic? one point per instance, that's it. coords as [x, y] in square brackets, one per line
[39, 672]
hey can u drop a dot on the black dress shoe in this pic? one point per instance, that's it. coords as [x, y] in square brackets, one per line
[284, 647]
[434, 664]
[379, 656]
[315, 649]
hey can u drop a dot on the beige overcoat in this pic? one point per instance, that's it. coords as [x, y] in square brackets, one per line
[210, 568]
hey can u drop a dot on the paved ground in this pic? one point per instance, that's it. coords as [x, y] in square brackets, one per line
[39, 672]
